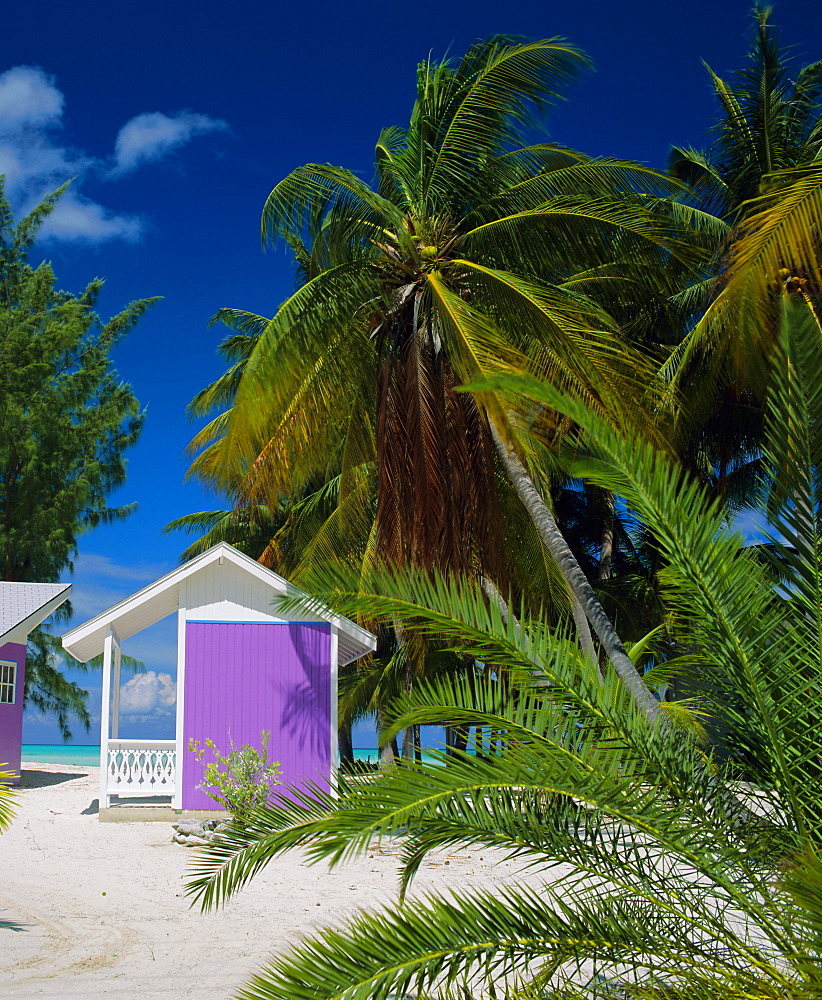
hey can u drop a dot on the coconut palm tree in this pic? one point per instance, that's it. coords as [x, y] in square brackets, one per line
[469, 256]
[669, 871]
[771, 122]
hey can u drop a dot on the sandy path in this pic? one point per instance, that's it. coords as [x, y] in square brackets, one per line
[90, 909]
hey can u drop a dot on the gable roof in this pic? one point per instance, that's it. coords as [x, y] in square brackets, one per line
[23, 606]
[162, 598]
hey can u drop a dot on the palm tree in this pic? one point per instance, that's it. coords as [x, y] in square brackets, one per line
[771, 122]
[469, 257]
[668, 889]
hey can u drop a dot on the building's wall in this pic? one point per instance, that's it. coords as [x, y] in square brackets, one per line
[225, 593]
[11, 716]
[245, 677]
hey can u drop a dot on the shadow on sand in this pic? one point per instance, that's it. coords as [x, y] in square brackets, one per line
[40, 779]
[13, 925]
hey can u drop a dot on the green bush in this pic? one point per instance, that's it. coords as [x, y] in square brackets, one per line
[240, 780]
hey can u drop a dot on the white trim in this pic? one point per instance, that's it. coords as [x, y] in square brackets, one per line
[87, 639]
[20, 631]
[335, 703]
[140, 768]
[104, 718]
[177, 800]
[115, 693]
[15, 667]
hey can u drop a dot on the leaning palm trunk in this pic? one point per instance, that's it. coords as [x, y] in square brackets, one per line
[581, 590]
[586, 640]
[606, 548]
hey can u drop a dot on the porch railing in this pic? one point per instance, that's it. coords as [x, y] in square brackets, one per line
[138, 768]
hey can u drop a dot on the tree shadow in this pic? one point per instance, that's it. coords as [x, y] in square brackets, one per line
[14, 925]
[42, 779]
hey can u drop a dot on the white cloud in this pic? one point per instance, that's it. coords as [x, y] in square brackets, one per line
[78, 220]
[31, 162]
[35, 161]
[148, 693]
[152, 135]
[95, 564]
[28, 97]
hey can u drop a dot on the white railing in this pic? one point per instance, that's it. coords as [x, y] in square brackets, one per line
[141, 768]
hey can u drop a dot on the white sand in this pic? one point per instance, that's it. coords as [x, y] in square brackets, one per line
[90, 909]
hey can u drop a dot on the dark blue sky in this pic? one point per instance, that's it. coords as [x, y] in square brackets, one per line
[213, 103]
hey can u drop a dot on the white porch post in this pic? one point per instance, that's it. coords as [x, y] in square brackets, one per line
[115, 700]
[108, 645]
[334, 707]
[177, 799]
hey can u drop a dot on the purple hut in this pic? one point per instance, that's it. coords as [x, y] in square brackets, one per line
[242, 669]
[23, 606]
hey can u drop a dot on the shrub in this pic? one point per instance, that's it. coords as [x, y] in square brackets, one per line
[240, 780]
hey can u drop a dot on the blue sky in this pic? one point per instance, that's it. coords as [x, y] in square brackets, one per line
[176, 120]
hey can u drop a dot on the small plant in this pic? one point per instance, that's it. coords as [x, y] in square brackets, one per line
[242, 779]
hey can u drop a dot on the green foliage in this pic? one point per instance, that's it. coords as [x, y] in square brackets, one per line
[470, 253]
[667, 867]
[66, 419]
[771, 120]
[240, 780]
[474, 251]
[46, 689]
[7, 799]
[65, 416]
[761, 183]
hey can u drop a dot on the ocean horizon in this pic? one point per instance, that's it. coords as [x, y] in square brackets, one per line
[88, 755]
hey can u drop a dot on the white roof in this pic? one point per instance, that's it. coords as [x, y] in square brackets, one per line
[23, 606]
[163, 597]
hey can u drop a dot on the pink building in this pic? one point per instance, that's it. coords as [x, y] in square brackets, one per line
[23, 606]
[243, 667]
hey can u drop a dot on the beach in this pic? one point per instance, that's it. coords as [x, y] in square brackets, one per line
[90, 909]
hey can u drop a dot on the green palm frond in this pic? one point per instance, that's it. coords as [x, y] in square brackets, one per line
[499, 89]
[302, 200]
[655, 873]
[722, 592]
[778, 243]
[7, 799]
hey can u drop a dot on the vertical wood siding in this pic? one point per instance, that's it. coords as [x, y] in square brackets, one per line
[11, 716]
[245, 677]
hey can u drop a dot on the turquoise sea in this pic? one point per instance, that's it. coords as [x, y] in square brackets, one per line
[49, 753]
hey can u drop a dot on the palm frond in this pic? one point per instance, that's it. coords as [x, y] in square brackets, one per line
[7, 800]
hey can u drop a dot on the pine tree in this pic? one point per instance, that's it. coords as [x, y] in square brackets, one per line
[66, 419]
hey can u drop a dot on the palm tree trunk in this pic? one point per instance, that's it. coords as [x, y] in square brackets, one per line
[346, 747]
[456, 740]
[586, 640]
[583, 629]
[408, 744]
[577, 582]
[407, 750]
[606, 547]
[389, 752]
